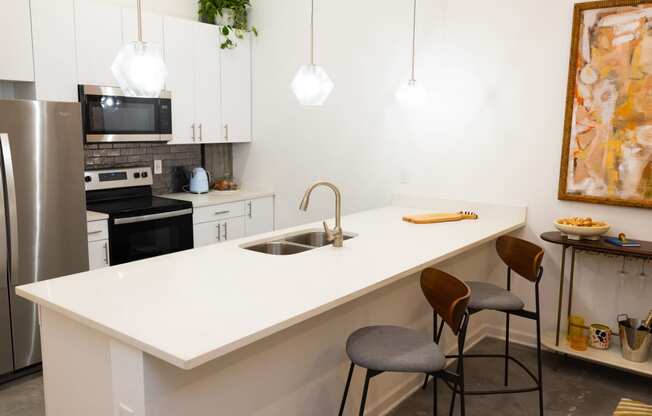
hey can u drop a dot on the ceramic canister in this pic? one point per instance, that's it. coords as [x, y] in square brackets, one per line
[600, 336]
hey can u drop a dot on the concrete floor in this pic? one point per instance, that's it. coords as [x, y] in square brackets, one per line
[572, 388]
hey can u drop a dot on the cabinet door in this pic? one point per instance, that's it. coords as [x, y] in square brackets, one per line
[207, 88]
[259, 216]
[16, 63]
[98, 254]
[207, 233]
[179, 56]
[233, 229]
[99, 38]
[236, 91]
[55, 58]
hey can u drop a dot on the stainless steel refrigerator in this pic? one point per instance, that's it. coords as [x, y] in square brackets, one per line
[42, 215]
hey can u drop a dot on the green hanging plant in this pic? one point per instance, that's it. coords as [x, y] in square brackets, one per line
[235, 12]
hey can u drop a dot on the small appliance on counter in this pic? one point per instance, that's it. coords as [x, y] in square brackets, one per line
[199, 182]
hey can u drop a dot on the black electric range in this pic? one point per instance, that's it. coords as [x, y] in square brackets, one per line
[141, 225]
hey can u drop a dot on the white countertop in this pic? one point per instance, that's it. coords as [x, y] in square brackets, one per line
[95, 216]
[191, 307]
[219, 197]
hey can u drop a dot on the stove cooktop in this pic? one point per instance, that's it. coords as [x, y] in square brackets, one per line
[136, 206]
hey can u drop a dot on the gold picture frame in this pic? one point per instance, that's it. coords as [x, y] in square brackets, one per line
[616, 188]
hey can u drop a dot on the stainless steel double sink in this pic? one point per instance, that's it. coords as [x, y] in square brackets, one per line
[294, 243]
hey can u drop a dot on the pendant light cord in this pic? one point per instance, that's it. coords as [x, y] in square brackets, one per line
[312, 32]
[414, 37]
[140, 22]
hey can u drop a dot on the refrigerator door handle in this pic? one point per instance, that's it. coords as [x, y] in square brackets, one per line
[11, 206]
[4, 255]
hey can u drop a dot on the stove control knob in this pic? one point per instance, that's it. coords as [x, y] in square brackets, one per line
[87, 178]
[137, 175]
[144, 174]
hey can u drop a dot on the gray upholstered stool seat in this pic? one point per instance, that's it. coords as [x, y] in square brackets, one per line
[487, 296]
[393, 348]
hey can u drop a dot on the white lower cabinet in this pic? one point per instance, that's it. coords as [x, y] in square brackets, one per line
[235, 220]
[259, 216]
[98, 254]
[98, 244]
[233, 229]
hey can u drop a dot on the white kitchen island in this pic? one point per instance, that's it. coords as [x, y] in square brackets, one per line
[221, 330]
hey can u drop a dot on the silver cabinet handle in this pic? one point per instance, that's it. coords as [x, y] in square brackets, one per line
[106, 254]
[201, 132]
[194, 134]
[222, 212]
[11, 205]
[226, 132]
[94, 232]
[249, 205]
[219, 232]
[226, 232]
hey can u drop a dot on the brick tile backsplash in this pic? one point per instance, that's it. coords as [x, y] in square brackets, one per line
[177, 160]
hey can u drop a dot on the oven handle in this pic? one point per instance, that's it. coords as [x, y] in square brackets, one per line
[152, 217]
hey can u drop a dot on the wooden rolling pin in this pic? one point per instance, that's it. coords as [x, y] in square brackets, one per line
[436, 218]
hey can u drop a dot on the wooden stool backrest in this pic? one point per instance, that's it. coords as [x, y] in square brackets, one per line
[447, 295]
[521, 256]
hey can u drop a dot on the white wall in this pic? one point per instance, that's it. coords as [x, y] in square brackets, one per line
[497, 75]
[492, 130]
[348, 140]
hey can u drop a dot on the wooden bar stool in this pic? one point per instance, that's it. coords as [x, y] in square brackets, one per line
[524, 258]
[381, 349]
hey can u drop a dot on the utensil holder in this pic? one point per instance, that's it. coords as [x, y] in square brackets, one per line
[635, 344]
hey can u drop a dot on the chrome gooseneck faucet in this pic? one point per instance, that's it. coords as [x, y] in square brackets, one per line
[335, 235]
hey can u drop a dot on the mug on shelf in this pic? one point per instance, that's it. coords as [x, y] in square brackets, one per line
[600, 336]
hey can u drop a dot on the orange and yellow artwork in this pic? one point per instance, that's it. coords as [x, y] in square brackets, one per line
[607, 155]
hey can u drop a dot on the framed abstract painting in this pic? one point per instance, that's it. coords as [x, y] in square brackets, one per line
[607, 151]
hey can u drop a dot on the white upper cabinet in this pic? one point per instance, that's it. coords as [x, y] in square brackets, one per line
[99, 38]
[180, 59]
[55, 67]
[16, 62]
[207, 84]
[236, 91]
[152, 27]
[193, 58]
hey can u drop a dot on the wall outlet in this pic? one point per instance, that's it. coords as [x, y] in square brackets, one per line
[125, 411]
[158, 167]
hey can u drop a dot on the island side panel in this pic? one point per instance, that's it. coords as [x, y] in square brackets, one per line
[87, 373]
[299, 371]
[76, 368]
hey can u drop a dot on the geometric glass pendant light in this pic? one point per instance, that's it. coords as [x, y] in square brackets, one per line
[139, 67]
[311, 84]
[411, 94]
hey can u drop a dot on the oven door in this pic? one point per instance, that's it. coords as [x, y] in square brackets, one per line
[109, 116]
[137, 238]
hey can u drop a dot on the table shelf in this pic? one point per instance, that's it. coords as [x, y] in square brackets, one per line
[611, 357]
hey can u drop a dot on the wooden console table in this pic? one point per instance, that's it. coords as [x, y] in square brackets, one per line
[597, 246]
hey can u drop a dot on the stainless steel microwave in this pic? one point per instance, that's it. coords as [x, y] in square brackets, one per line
[109, 115]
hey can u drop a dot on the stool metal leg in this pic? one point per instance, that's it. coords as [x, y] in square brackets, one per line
[507, 349]
[434, 396]
[364, 392]
[346, 389]
[540, 370]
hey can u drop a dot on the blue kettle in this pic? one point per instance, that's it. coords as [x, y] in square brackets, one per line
[199, 181]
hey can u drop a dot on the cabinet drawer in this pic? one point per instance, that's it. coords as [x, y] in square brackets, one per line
[98, 230]
[219, 212]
